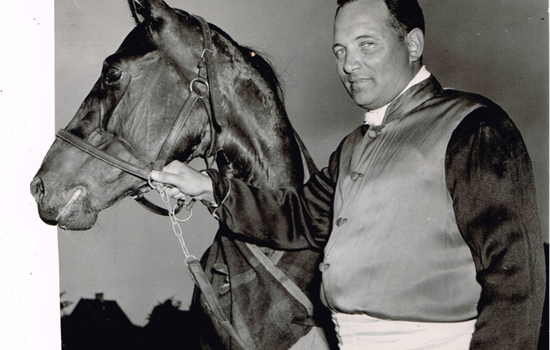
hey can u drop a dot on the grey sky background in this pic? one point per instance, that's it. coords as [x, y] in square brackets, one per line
[497, 48]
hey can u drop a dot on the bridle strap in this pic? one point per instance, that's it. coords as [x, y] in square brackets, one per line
[217, 118]
[167, 146]
[141, 172]
[310, 163]
[140, 198]
[128, 167]
[208, 54]
[208, 77]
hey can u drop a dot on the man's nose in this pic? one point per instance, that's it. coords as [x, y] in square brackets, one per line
[351, 63]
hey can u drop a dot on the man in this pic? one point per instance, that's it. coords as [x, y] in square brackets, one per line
[426, 214]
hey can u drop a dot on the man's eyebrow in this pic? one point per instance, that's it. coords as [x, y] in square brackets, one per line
[365, 36]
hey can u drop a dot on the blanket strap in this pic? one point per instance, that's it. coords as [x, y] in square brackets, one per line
[283, 279]
[212, 302]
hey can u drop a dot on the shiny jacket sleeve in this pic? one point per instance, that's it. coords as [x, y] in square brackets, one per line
[490, 180]
[287, 218]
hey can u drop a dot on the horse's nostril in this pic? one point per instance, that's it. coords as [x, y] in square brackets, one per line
[37, 188]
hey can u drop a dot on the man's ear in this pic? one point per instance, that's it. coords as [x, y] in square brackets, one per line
[415, 41]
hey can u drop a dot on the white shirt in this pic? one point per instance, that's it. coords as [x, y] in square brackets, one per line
[376, 116]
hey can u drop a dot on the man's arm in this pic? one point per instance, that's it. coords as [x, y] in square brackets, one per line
[288, 218]
[490, 179]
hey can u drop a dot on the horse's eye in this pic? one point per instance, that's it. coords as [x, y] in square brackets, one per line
[112, 75]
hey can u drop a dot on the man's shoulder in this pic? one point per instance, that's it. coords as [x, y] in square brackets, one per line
[475, 112]
[464, 97]
[439, 94]
[483, 112]
[483, 116]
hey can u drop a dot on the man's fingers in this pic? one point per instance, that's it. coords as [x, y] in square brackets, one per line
[175, 193]
[174, 179]
[155, 175]
[175, 167]
[165, 177]
[185, 178]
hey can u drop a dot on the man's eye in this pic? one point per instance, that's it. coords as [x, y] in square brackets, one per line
[367, 44]
[339, 53]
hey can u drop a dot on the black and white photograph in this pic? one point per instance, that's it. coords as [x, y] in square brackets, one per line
[240, 174]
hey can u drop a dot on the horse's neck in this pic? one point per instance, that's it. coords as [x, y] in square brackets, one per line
[257, 145]
[261, 161]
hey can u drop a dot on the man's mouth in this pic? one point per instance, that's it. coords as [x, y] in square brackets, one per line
[359, 83]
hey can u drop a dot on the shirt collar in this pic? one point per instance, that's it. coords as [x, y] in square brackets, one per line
[376, 116]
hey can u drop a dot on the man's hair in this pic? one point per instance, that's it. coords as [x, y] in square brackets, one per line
[405, 15]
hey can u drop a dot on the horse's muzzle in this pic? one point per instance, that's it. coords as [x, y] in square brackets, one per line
[66, 211]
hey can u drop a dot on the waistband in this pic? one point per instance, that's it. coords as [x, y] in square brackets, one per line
[366, 332]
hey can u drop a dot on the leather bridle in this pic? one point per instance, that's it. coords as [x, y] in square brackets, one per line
[204, 84]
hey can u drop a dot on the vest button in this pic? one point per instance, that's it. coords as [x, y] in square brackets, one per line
[373, 133]
[355, 175]
[341, 221]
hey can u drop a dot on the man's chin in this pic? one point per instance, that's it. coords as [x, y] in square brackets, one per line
[363, 101]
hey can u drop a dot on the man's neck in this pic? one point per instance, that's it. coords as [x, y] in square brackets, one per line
[376, 117]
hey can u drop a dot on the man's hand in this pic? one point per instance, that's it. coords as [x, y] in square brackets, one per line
[185, 181]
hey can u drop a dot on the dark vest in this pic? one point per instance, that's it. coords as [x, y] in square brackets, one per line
[395, 251]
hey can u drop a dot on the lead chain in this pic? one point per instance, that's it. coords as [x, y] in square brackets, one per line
[161, 189]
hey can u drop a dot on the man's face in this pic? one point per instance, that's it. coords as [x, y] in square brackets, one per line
[372, 62]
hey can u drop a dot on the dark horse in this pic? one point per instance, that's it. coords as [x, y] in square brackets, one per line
[129, 113]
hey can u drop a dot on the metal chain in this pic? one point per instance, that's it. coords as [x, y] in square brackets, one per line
[161, 189]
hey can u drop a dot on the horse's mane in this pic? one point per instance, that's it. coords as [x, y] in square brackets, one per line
[260, 63]
[266, 70]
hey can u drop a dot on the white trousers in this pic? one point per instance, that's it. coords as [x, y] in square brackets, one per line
[358, 332]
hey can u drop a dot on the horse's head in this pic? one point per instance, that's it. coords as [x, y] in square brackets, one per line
[128, 113]
[131, 109]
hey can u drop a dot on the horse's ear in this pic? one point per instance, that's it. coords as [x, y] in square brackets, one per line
[154, 10]
[138, 10]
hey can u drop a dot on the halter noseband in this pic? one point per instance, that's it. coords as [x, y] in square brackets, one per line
[207, 77]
